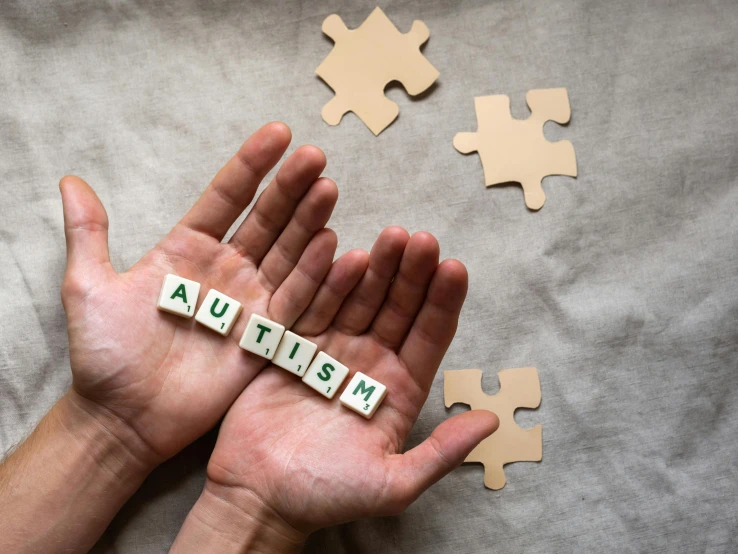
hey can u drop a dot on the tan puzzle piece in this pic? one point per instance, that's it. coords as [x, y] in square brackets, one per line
[362, 63]
[515, 150]
[519, 388]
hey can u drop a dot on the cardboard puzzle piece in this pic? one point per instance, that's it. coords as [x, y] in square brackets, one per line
[519, 388]
[515, 150]
[362, 63]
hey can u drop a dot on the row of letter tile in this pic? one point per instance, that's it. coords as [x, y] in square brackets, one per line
[269, 340]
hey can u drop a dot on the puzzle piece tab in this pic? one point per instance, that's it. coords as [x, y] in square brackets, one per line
[519, 388]
[515, 150]
[364, 60]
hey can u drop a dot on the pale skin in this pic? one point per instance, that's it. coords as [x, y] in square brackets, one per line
[287, 460]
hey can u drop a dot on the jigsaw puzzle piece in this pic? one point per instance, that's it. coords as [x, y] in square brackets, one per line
[362, 63]
[519, 388]
[515, 150]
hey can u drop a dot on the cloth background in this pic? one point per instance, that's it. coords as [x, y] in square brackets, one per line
[621, 290]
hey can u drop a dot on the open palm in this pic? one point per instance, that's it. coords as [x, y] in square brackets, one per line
[169, 378]
[315, 463]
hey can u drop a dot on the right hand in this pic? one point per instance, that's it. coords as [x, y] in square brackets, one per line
[158, 381]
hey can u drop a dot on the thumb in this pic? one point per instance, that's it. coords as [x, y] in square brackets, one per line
[448, 446]
[86, 231]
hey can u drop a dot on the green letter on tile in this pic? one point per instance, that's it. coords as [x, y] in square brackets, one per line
[212, 308]
[262, 329]
[361, 388]
[181, 292]
[325, 375]
[294, 350]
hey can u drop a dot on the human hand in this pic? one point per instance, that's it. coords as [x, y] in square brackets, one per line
[289, 461]
[159, 381]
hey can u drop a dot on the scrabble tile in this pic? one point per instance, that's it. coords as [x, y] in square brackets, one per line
[294, 353]
[261, 336]
[325, 375]
[363, 395]
[178, 296]
[218, 312]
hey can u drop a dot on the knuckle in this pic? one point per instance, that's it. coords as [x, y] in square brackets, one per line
[73, 287]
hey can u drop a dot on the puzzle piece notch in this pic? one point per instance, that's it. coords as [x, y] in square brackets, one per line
[515, 150]
[519, 388]
[365, 60]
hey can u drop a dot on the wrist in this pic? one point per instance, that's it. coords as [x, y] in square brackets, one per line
[61, 488]
[109, 442]
[233, 519]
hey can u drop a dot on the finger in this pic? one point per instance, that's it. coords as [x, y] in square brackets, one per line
[86, 232]
[343, 276]
[233, 188]
[435, 325]
[276, 205]
[362, 305]
[408, 290]
[299, 288]
[410, 474]
[310, 216]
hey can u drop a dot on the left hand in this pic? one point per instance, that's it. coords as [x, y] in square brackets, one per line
[159, 381]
